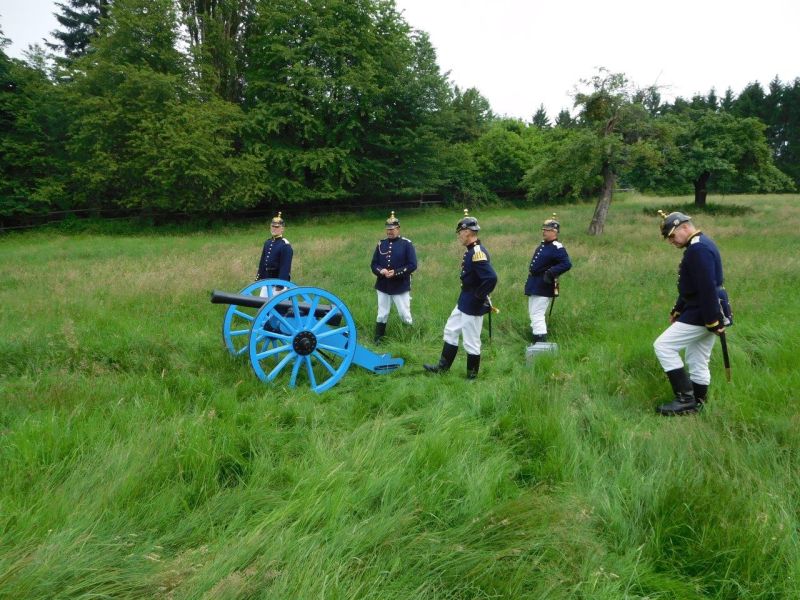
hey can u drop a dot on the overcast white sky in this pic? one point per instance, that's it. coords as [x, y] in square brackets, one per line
[522, 53]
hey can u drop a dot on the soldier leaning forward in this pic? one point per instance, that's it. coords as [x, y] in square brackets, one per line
[393, 262]
[550, 259]
[478, 279]
[701, 313]
[276, 257]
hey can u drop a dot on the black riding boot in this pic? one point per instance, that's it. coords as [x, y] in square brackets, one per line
[539, 338]
[700, 392]
[380, 331]
[447, 358]
[473, 365]
[684, 401]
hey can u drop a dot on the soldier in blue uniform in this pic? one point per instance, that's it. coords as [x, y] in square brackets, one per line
[276, 257]
[478, 279]
[700, 314]
[550, 259]
[393, 262]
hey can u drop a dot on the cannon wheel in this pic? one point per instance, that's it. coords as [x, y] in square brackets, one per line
[303, 344]
[238, 319]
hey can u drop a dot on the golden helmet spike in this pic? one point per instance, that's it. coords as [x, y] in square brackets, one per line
[552, 223]
[662, 213]
[392, 221]
[466, 212]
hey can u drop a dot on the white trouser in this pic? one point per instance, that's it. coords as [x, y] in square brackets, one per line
[537, 308]
[468, 326]
[698, 343]
[267, 291]
[402, 303]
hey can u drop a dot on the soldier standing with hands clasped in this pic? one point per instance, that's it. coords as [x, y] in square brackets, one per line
[393, 262]
[550, 259]
[700, 315]
[276, 256]
[478, 279]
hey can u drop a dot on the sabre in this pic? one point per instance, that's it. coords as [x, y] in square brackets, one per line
[726, 359]
[492, 309]
[555, 296]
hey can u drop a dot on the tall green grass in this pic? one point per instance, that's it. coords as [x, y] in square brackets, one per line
[140, 461]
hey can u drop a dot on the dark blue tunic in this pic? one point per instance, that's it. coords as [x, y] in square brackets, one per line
[276, 260]
[548, 256]
[398, 255]
[701, 298]
[478, 279]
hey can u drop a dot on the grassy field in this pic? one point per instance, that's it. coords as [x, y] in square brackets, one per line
[139, 460]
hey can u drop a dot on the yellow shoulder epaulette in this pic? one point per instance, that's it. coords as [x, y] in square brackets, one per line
[478, 254]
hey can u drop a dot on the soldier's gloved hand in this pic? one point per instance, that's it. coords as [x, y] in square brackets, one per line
[548, 277]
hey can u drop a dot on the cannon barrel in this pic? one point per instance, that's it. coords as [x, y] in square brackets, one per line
[218, 297]
[284, 308]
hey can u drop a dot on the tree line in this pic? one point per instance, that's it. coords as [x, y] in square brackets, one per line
[213, 106]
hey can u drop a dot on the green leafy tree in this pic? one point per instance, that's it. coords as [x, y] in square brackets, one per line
[650, 98]
[32, 143]
[142, 136]
[503, 155]
[565, 165]
[217, 37]
[469, 115]
[609, 111]
[707, 150]
[342, 99]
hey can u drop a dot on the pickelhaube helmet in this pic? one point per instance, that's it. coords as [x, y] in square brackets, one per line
[551, 223]
[392, 221]
[278, 220]
[467, 222]
[671, 221]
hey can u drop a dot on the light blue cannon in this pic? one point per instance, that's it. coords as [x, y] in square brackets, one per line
[306, 331]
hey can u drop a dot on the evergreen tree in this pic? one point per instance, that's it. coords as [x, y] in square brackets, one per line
[712, 101]
[787, 151]
[750, 102]
[540, 118]
[80, 20]
[727, 101]
[564, 119]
